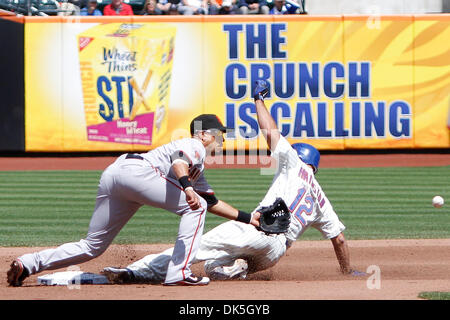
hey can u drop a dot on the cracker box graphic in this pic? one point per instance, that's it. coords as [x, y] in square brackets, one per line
[125, 73]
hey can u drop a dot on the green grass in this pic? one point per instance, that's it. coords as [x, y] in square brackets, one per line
[39, 208]
[435, 295]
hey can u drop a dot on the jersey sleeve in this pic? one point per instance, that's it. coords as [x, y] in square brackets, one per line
[285, 154]
[190, 152]
[202, 187]
[328, 222]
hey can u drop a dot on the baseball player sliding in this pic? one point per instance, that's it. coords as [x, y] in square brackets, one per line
[169, 177]
[234, 249]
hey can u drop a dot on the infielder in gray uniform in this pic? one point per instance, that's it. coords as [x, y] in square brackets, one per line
[169, 177]
[234, 249]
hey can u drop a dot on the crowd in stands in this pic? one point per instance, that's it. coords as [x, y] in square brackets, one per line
[182, 7]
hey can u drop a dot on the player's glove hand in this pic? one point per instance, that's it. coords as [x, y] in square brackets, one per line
[275, 218]
[261, 90]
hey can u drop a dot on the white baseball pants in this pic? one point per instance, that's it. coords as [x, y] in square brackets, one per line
[220, 247]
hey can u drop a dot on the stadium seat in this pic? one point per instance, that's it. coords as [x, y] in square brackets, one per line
[47, 6]
[21, 6]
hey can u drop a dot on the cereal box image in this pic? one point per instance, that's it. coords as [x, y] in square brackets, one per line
[126, 72]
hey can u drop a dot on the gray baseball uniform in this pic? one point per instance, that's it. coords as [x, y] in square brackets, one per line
[127, 184]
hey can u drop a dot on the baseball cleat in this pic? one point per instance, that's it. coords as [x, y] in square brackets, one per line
[118, 275]
[261, 90]
[238, 270]
[190, 281]
[16, 273]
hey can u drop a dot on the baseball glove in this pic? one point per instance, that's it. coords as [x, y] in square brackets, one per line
[275, 218]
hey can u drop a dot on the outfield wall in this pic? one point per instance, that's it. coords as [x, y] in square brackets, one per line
[338, 82]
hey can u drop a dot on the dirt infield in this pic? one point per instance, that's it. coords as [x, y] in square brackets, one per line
[308, 271]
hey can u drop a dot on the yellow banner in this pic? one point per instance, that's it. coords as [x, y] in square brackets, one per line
[337, 82]
[431, 81]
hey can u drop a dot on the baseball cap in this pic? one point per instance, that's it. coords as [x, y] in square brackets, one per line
[226, 3]
[206, 122]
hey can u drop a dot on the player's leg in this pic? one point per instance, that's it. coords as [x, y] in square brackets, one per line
[215, 248]
[266, 254]
[225, 250]
[110, 215]
[188, 241]
[153, 267]
[221, 251]
[173, 264]
[163, 192]
[228, 250]
[150, 269]
[230, 241]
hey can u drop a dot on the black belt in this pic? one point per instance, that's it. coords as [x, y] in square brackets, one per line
[133, 156]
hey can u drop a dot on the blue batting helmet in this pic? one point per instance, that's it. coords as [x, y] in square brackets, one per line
[308, 154]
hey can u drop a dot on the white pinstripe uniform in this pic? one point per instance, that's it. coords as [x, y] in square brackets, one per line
[295, 183]
[126, 185]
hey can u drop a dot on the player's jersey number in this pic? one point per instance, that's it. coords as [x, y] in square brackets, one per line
[305, 208]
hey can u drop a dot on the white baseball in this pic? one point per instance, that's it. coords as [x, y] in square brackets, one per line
[438, 201]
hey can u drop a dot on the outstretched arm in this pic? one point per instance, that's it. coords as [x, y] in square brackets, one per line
[343, 256]
[342, 253]
[223, 209]
[266, 123]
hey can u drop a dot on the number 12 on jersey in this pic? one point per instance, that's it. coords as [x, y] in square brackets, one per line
[306, 207]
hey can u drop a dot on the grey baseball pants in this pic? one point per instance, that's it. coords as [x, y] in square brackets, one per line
[124, 187]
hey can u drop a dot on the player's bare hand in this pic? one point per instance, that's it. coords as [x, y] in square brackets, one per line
[192, 199]
[255, 219]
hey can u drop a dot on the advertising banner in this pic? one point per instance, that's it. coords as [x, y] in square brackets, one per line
[337, 82]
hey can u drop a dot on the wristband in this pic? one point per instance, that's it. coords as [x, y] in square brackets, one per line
[211, 199]
[185, 182]
[244, 217]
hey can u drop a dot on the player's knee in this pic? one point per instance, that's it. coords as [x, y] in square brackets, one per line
[94, 248]
[97, 251]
